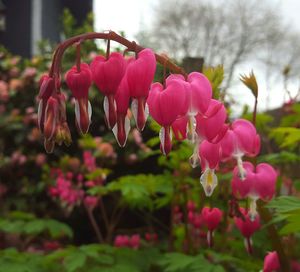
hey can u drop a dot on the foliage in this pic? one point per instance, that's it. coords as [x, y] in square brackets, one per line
[287, 208]
[41, 231]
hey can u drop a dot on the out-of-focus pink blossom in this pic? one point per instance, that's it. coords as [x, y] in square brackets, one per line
[212, 218]
[4, 95]
[271, 262]
[247, 226]
[40, 159]
[91, 201]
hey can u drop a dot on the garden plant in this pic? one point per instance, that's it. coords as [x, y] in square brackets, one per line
[130, 163]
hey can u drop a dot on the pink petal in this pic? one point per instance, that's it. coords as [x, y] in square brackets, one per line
[210, 154]
[140, 73]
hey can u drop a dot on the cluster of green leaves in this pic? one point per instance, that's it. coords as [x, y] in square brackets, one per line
[287, 210]
[95, 257]
[140, 191]
[288, 134]
[27, 224]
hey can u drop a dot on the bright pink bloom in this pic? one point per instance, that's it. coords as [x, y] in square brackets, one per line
[165, 105]
[107, 75]
[140, 74]
[200, 93]
[134, 241]
[121, 241]
[212, 128]
[210, 155]
[271, 262]
[240, 140]
[212, 218]
[247, 226]
[259, 183]
[79, 83]
[122, 127]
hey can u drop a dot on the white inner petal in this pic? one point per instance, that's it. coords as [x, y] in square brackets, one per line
[209, 181]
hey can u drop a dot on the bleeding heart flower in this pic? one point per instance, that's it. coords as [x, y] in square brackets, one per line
[107, 75]
[247, 226]
[212, 218]
[134, 241]
[79, 82]
[140, 74]
[47, 87]
[165, 105]
[271, 262]
[122, 127]
[212, 128]
[240, 140]
[51, 118]
[259, 183]
[210, 155]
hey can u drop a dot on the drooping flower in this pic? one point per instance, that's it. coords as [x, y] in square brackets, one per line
[209, 126]
[247, 226]
[212, 218]
[47, 87]
[79, 83]
[122, 127]
[271, 262]
[140, 74]
[242, 139]
[165, 105]
[210, 155]
[258, 183]
[198, 95]
[107, 75]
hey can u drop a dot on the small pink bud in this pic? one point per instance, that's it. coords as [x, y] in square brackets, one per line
[271, 262]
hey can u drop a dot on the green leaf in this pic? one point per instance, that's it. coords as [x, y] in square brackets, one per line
[58, 229]
[74, 261]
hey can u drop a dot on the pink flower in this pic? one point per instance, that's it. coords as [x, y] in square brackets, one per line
[134, 241]
[140, 74]
[47, 87]
[210, 155]
[271, 262]
[91, 201]
[122, 127]
[240, 140]
[50, 123]
[79, 82]
[212, 218]
[121, 241]
[211, 126]
[107, 75]
[259, 183]
[165, 105]
[198, 93]
[247, 226]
